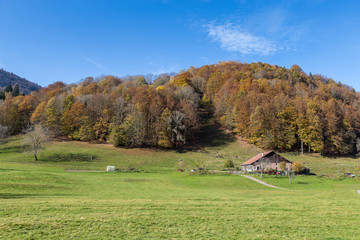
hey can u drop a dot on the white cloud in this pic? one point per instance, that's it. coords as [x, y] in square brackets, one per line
[161, 64]
[205, 59]
[234, 39]
[166, 69]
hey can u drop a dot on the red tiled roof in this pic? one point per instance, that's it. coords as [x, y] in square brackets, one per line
[257, 157]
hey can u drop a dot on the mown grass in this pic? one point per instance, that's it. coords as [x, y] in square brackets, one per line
[40, 200]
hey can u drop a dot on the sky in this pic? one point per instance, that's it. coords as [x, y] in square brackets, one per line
[68, 40]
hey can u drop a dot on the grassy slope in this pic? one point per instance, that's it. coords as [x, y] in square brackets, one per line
[41, 200]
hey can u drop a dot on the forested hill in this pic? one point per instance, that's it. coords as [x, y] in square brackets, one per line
[25, 86]
[271, 106]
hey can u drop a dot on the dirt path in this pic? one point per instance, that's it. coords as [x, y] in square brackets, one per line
[81, 170]
[264, 183]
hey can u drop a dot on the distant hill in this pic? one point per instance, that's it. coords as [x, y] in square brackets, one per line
[8, 78]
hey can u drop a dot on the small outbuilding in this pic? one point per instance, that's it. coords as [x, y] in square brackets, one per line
[265, 161]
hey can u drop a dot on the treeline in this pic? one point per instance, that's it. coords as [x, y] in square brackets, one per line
[273, 107]
[279, 108]
[125, 112]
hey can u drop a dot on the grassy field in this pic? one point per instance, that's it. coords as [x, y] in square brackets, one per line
[41, 200]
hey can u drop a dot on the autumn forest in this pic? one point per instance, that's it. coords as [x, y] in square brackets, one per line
[270, 106]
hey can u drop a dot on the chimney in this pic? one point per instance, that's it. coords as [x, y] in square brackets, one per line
[262, 154]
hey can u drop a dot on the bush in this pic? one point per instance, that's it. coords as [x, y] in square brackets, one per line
[117, 136]
[3, 131]
[272, 172]
[165, 143]
[283, 166]
[297, 167]
[229, 164]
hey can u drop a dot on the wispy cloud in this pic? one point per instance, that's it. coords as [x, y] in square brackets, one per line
[266, 31]
[162, 64]
[96, 63]
[205, 59]
[234, 39]
[166, 69]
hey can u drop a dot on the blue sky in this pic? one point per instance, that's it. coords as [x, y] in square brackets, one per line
[67, 40]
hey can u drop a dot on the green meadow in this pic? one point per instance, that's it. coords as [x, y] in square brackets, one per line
[41, 200]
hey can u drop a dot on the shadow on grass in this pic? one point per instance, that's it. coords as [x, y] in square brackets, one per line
[17, 196]
[304, 183]
[211, 134]
[14, 149]
[214, 136]
[69, 157]
[7, 170]
[4, 141]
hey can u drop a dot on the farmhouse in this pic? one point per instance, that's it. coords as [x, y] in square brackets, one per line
[265, 161]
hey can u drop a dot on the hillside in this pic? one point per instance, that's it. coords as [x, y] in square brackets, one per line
[270, 106]
[25, 86]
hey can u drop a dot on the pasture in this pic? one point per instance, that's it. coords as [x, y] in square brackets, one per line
[41, 200]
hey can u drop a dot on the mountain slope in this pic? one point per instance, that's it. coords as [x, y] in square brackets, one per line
[8, 78]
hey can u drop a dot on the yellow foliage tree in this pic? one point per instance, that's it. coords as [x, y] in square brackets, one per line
[297, 166]
[282, 166]
[182, 80]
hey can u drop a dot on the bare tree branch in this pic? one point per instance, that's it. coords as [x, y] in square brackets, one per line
[3, 131]
[35, 137]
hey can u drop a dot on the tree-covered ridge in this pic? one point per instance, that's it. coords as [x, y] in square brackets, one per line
[281, 108]
[25, 86]
[273, 107]
[121, 111]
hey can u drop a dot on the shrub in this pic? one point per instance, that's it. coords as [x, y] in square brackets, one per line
[229, 164]
[282, 166]
[165, 143]
[297, 167]
[140, 81]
